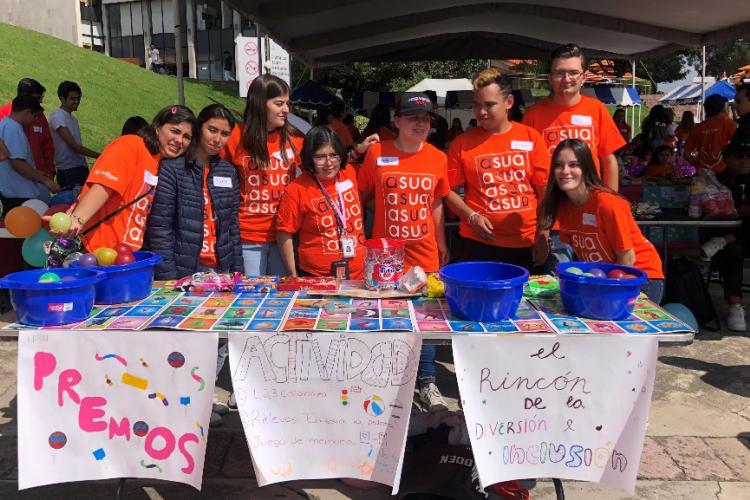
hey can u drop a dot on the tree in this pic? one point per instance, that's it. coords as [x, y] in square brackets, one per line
[660, 69]
[722, 59]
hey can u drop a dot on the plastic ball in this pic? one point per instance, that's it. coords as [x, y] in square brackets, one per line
[574, 270]
[122, 248]
[32, 249]
[105, 256]
[616, 274]
[23, 222]
[598, 273]
[629, 276]
[589, 275]
[37, 206]
[60, 222]
[124, 258]
[87, 260]
[72, 259]
[49, 278]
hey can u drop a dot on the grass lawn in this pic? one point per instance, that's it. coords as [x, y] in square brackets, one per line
[113, 90]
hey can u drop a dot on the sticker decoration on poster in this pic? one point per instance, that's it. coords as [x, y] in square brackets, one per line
[325, 405]
[545, 407]
[124, 404]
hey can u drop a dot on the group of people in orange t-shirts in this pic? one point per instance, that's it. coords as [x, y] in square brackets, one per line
[559, 163]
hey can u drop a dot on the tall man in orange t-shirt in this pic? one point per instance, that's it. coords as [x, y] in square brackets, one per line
[568, 114]
[503, 166]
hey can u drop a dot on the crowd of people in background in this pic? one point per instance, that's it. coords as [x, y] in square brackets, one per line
[529, 186]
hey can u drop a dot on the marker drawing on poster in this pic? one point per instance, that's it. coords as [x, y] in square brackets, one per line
[325, 405]
[95, 405]
[563, 407]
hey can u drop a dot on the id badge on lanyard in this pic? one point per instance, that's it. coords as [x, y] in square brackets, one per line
[347, 243]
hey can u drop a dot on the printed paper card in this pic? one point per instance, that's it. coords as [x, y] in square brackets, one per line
[647, 319]
[122, 404]
[564, 407]
[324, 405]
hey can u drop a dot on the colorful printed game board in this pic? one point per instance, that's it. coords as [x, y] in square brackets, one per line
[433, 315]
[349, 314]
[647, 319]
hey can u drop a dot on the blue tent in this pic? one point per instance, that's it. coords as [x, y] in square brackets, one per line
[311, 94]
[723, 88]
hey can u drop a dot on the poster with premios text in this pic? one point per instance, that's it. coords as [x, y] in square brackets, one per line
[563, 407]
[95, 405]
[320, 405]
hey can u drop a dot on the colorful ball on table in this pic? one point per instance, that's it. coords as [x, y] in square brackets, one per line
[49, 278]
[105, 256]
[616, 274]
[37, 206]
[60, 222]
[124, 258]
[574, 270]
[597, 273]
[122, 248]
[33, 251]
[87, 260]
[22, 222]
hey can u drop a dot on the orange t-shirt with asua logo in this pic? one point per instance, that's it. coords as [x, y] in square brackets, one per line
[588, 120]
[405, 187]
[603, 226]
[706, 142]
[304, 210]
[501, 174]
[208, 248]
[261, 188]
[129, 169]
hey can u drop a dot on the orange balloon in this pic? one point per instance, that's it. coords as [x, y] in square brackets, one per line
[22, 222]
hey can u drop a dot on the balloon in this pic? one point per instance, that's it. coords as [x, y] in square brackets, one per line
[87, 260]
[33, 249]
[49, 278]
[22, 222]
[37, 205]
[124, 258]
[616, 274]
[105, 256]
[598, 273]
[60, 222]
[122, 248]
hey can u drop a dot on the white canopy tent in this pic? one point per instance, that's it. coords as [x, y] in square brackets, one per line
[442, 86]
[331, 31]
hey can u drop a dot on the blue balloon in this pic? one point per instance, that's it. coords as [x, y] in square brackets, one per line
[33, 248]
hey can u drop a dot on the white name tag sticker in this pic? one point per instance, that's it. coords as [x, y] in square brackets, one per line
[150, 179]
[589, 220]
[522, 145]
[387, 160]
[344, 186]
[223, 182]
[581, 120]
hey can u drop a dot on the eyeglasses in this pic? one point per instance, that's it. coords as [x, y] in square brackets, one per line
[321, 158]
[559, 74]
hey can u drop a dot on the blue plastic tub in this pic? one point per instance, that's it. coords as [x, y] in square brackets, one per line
[128, 282]
[52, 304]
[599, 298]
[483, 291]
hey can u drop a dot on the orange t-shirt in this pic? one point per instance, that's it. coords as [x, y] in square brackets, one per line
[129, 169]
[208, 249]
[405, 187]
[304, 210]
[588, 121]
[261, 189]
[604, 226]
[501, 174]
[343, 131]
[706, 142]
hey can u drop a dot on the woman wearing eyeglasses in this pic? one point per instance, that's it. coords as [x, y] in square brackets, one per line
[323, 209]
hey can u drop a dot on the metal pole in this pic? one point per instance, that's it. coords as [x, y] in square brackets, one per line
[703, 81]
[178, 52]
[632, 123]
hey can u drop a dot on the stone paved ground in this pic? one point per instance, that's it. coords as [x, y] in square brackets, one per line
[697, 445]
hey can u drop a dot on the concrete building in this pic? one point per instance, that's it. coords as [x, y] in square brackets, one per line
[126, 28]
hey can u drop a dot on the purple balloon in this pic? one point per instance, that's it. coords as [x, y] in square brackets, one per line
[87, 260]
[598, 273]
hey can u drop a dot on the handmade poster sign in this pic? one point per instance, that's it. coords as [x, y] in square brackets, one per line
[95, 405]
[562, 407]
[325, 405]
